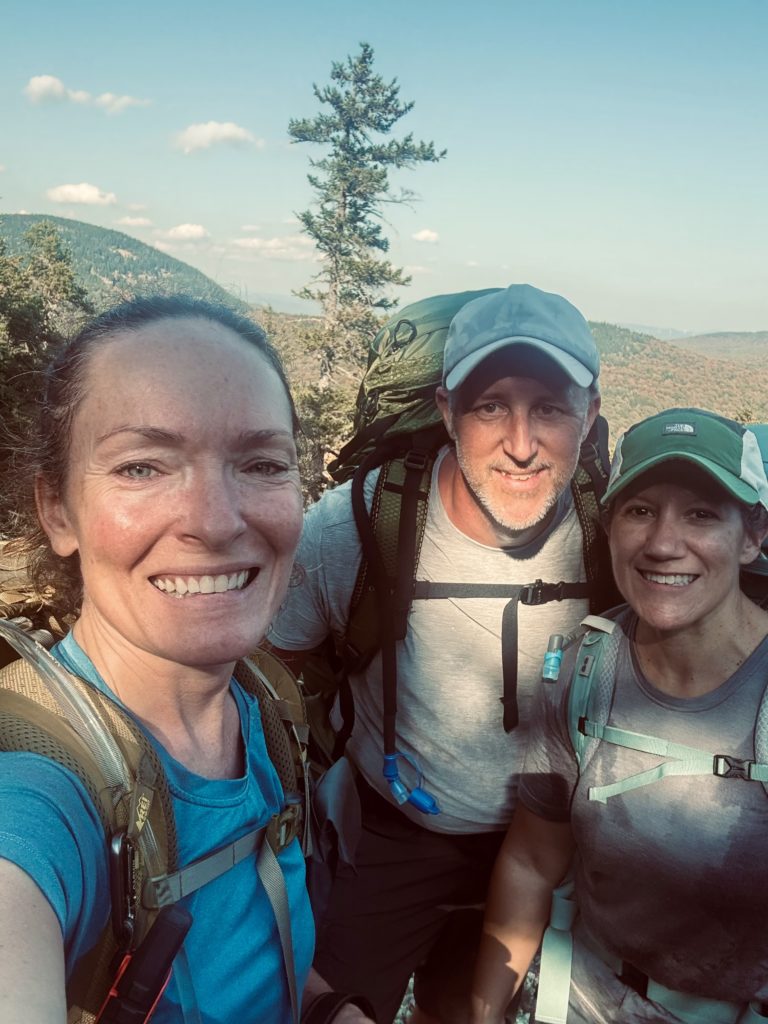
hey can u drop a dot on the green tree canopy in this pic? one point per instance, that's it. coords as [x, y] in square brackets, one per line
[352, 186]
[40, 302]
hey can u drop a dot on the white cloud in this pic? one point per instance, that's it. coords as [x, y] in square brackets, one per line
[135, 222]
[426, 235]
[82, 193]
[187, 232]
[417, 269]
[117, 104]
[45, 88]
[471, 263]
[213, 133]
[2, 168]
[163, 246]
[290, 248]
[250, 227]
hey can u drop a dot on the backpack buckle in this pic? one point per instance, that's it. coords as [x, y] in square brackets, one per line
[416, 459]
[284, 827]
[532, 593]
[727, 767]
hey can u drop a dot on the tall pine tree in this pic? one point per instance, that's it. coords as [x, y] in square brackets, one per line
[352, 186]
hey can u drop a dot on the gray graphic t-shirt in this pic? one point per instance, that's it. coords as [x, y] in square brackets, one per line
[671, 877]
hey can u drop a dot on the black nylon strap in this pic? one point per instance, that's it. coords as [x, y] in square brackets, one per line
[530, 594]
[324, 1008]
[509, 663]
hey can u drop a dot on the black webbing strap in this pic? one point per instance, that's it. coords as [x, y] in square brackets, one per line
[378, 575]
[529, 594]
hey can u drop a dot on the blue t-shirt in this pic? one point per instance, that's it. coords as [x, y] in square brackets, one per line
[50, 829]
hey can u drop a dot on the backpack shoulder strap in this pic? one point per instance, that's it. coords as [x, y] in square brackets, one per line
[587, 487]
[590, 694]
[391, 535]
[286, 733]
[46, 710]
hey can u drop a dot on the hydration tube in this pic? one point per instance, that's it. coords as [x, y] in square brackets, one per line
[75, 707]
[417, 797]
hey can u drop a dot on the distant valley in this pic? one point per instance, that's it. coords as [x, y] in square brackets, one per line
[724, 372]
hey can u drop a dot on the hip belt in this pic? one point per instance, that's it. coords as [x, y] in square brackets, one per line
[689, 1008]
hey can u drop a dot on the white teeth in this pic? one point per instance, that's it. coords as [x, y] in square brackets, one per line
[180, 586]
[669, 579]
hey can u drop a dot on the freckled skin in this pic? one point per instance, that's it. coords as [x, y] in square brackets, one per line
[182, 463]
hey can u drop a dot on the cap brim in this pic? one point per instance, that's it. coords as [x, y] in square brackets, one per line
[577, 372]
[734, 485]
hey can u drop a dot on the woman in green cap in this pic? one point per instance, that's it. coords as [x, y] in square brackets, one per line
[649, 760]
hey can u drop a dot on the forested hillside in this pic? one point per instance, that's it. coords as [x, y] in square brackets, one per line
[641, 375]
[111, 265]
[747, 346]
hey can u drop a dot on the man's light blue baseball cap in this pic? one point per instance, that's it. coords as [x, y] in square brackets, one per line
[520, 315]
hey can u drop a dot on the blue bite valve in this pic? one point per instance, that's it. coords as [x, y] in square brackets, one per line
[423, 801]
[417, 797]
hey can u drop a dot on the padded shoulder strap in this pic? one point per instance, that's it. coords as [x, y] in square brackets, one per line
[46, 710]
[395, 529]
[587, 487]
[285, 724]
[592, 682]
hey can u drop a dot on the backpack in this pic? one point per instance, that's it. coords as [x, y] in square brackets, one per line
[590, 699]
[47, 710]
[399, 429]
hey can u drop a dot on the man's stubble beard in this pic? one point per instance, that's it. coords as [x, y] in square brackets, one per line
[497, 511]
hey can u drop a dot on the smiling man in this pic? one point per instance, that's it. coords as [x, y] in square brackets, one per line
[519, 395]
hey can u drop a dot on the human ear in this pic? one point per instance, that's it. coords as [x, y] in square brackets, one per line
[442, 401]
[54, 518]
[592, 410]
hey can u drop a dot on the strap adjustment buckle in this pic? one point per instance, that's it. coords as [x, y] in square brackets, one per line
[532, 593]
[727, 767]
[284, 827]
[416, 458]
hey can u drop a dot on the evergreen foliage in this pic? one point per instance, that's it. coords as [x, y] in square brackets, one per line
[40, 302]
[352, 186]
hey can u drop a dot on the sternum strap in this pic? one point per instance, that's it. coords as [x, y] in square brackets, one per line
[685, 760]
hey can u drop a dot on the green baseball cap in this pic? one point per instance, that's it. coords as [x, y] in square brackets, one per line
[727, 450]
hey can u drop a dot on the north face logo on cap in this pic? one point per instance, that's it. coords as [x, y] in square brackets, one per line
[679, 428]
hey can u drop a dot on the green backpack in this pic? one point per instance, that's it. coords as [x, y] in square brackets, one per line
[399, 429]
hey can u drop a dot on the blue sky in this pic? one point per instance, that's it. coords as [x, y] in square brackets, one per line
[616, 152]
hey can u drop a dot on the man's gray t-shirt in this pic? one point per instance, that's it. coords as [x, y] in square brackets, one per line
[670, 877]
[449, 665]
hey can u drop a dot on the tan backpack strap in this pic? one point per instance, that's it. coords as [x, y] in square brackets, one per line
[279, 832]
[285, 723]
